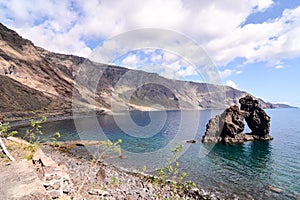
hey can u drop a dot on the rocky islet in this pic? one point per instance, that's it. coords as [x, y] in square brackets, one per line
[228, 127]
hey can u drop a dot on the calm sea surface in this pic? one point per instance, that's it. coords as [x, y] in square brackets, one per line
[247, 170]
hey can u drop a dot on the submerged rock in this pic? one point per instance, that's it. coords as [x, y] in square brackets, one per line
[192, 141]
[229, 126]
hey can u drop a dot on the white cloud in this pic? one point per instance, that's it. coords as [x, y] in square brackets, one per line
[152, 61]
[231, 84]
[262, 5]
[226, 73]
[164, 40]
[270, 41]
[130, 61]
[170, 57]
[48, 24]
[279, 67]
[216, 25]
[61, 43]
[156, 57]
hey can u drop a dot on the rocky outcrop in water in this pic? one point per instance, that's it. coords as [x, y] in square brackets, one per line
[256, 118]
[229, 126]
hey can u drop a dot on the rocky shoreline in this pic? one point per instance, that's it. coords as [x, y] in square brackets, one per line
[109, 182]
[14, 123]
[59, 171]
[65, 175]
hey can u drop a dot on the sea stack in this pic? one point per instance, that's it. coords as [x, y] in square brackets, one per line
[257, 119]
[229, 126]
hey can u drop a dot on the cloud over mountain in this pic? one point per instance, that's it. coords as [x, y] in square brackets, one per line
[221, 27]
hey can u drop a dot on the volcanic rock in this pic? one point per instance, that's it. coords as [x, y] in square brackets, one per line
[191, 141]
[229, 126]
[257, 119]
[233, 122]
[213, 130]
[226, 127]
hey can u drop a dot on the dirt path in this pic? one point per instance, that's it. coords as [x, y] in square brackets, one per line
[19, 181]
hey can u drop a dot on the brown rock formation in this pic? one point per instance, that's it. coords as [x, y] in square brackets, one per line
[229, 126]
[213, 130]
[233, 123]
[256, 118]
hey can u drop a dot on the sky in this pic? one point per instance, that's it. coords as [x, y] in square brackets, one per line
[254, 44]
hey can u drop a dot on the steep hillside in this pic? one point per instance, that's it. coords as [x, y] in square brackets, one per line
[34, 80]
[18, 97]
[18, 101]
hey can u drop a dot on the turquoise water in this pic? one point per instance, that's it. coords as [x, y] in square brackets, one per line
[246, 170]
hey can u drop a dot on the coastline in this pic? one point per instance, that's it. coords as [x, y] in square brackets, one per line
[61, 117]
[18, 123]
[24, 121]
[64, 174]
[219, 195]
[84, 162]
[135, 183]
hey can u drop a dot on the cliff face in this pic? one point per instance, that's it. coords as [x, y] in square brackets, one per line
[36, 80]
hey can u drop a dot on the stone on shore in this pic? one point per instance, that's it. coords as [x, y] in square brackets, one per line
[55, 172]
[55, 177]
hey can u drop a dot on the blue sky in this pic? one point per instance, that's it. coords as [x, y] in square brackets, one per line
[254, 44]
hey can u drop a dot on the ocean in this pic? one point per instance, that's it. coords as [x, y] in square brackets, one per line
[259, 169]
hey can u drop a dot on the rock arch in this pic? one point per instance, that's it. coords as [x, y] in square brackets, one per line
[228, 127]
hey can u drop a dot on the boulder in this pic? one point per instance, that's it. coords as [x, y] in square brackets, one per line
[100, 175]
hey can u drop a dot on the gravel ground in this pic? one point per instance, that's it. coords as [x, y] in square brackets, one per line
[94, 180]
[69, 172]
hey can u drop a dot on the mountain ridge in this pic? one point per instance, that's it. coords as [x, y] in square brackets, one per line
[74, 84]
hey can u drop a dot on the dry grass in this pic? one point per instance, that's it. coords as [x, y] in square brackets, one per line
[19, 150]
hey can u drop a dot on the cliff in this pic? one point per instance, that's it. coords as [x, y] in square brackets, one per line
[35, 82]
